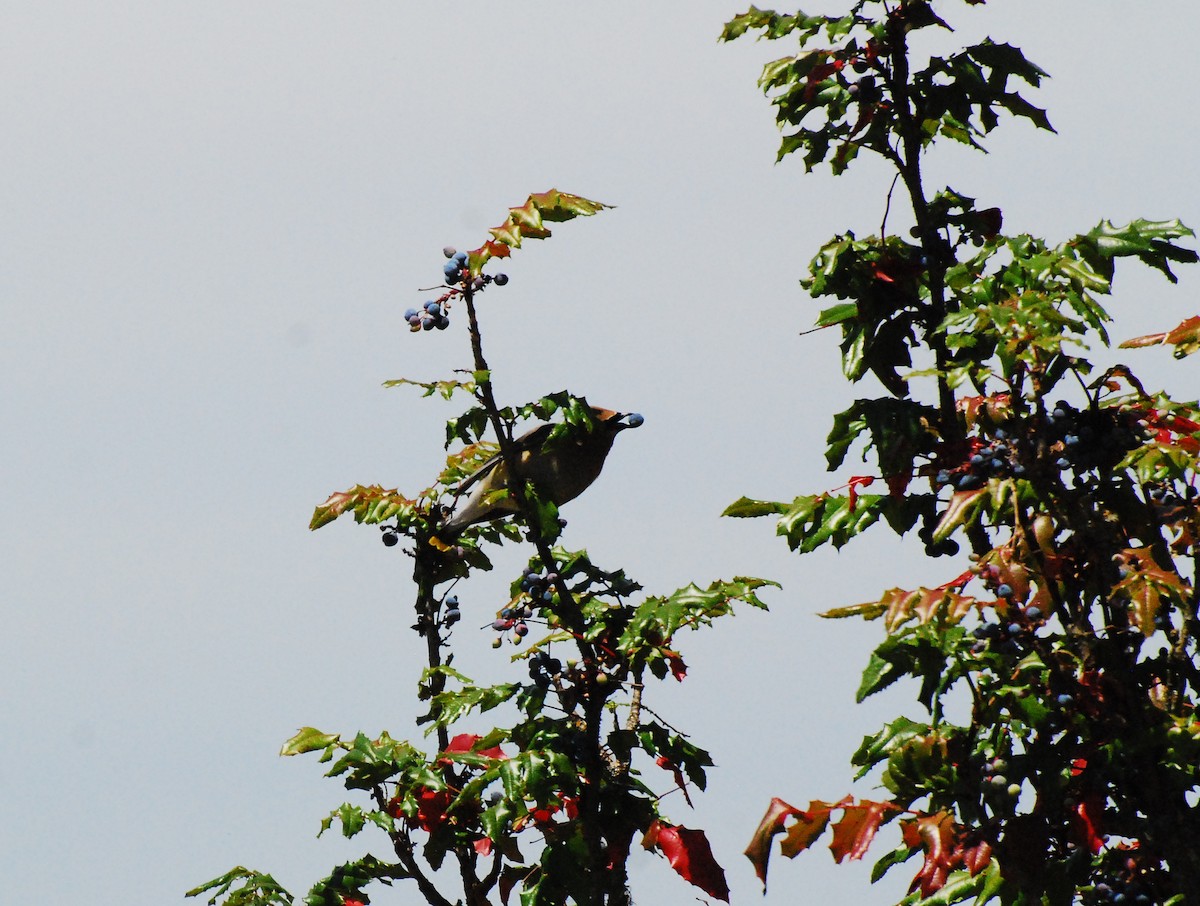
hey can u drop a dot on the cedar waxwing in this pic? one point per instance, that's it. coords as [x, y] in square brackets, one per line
[562, 472]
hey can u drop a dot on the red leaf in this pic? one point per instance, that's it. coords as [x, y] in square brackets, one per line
[935, 833]
[809, 825]
[678, 667]
[853, 833]
[431, 808]
[759, 850]
[858, 481]
[690, 855]
[483, 846]
[665, 763]
[1085, 822]
[465, 742]
[977, 856]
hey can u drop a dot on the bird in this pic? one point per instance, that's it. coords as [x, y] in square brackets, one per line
[561, 472]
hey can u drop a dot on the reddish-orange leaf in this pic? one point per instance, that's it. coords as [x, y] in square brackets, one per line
[465, 742]
[667, 765]
[690, 855]
[678, 667]
[977, 856]
[809, 825]
[431, 808]
[759, 850]
[483, 846]
[1085, 822]
[935, 834]
[853, 833]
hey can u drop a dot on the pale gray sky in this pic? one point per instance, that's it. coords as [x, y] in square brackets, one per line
[214, 215]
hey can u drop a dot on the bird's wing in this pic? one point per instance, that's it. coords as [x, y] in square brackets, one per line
[530, 440]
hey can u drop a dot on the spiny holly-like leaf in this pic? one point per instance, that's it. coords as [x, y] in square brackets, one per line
[527, 222]
[308, 739]
[772, 24]
[369, 504]
[962, 506]
[1147, 585]
[256, 889]
[744, 508]
[655, 621]
[451, 706]
[900, 606]
[1150, 241]
[854, 831]
[811, 521]
[690, 855]
[1185, 338]
[759, 850]
[879, 747]
[445, 389]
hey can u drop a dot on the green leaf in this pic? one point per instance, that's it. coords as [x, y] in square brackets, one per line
[309, 740]
[1152, 242]
[812, 521]
[744, 507]
[877, 748]
[452, 706]
[445, 389]
[256, 889]
[836, 314]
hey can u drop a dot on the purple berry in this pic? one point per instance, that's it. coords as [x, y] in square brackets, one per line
[501, 279]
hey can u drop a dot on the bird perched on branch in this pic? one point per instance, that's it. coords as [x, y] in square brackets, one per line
[560, 471]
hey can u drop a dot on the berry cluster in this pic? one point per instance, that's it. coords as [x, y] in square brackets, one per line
[452, 614]
[544, 669]
[457, 272]
[433, 315]
[998, 459]
[996, 781]
[1125, 886]
[540, 590]
[1092, 438]
[454, 268]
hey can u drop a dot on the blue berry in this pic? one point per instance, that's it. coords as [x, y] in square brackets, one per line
[943, 477]
[449, 251]
[1014, 628]
[433, 308]
[1034, 613]
[428, 323]
[501, 279]
[1062, 462]
[442, 323]
[1005, 590]
[460, 258]
[411, 313]
[521, 629]
[452, 601]
[1065, 698]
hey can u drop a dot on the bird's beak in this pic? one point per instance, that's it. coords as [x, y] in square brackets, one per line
[629, 420]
